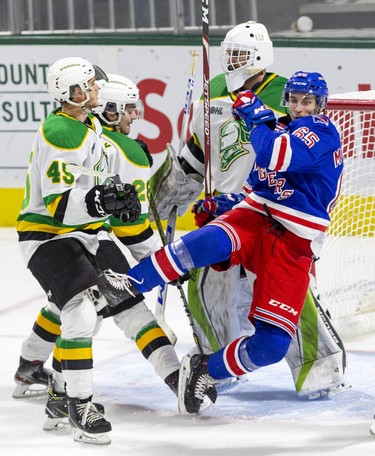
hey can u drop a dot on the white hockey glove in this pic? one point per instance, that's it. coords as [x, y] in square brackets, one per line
[170, 187]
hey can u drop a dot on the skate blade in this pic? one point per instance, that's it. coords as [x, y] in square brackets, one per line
[95, 439]
[228, 383]
[29, 391]
[329, 391]
[206, 405]
[182, 380]
[55, 424]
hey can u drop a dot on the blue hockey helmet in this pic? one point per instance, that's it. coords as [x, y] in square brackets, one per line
[309, 83]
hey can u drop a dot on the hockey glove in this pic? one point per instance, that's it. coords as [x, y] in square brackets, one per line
[145, 150]
[206, 210]
[120, 200]
[249, 108]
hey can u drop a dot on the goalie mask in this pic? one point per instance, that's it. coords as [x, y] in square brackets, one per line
[118, 96]
[66, 74]
[246, 51]
[308, 83]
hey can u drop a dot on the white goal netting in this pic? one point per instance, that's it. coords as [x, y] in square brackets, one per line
[346, 268]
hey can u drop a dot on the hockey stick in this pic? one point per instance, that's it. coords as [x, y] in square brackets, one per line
[162, 291]
[206, 97]
[186, 360]
[189, 94]
[207, 138]
[159, 314]
[78, 169]
[172, 217]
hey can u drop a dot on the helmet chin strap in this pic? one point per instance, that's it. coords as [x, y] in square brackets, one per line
[82, 103]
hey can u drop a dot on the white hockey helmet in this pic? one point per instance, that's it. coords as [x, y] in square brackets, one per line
[67, 73]
[116, 97]
[246, 51]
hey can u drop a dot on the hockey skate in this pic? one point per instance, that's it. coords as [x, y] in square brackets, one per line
[372, 429]
[116, 287]
[57, 411]
[195, 384]
[32, 379]
[88, 424]
[172, 381]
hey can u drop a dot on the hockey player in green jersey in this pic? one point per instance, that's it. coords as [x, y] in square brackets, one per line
[60, 217]
[134, 319]
[219, 301]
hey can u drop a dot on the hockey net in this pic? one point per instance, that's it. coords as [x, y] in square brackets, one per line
[345, 272]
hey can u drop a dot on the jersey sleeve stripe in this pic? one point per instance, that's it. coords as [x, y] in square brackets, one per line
[281, 154]
[285, 214]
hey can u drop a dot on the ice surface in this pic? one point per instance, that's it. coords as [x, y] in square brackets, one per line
[260, 416]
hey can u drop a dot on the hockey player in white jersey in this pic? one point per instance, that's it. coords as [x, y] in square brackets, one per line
[275, 229]
[219, 302]
[58, 224]
[119, 105]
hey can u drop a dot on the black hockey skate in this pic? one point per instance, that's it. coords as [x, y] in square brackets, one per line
[57, 411]
[116, 287]
[89, 425]
[32, 379]
[172, 381]
[194, 384]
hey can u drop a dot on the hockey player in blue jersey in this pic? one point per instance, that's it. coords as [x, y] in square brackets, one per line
[275, 230]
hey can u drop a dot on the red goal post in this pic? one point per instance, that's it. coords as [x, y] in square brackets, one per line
[345, 272]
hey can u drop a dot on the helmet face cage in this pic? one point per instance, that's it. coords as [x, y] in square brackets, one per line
[236, 55]
[119, 96]
[307, 83]
[67, 74]
[246, 51]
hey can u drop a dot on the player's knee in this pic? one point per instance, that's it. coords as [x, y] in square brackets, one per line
[132, 320]
[268, 345]
[208, 245]
[78, 318]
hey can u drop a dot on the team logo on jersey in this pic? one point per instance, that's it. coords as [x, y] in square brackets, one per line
[320, 119]
[102, 166]
[216, 110]
[233, 137]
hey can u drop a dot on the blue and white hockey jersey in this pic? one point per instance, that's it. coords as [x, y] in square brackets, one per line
[297, 174]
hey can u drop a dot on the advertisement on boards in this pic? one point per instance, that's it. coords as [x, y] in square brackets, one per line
[161, 73]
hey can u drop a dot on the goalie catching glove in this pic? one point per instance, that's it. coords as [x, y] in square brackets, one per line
[207, 209]
[249, 108]
[170, 187]
[117, 199]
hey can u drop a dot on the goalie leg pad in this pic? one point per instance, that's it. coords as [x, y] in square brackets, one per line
[316, 356]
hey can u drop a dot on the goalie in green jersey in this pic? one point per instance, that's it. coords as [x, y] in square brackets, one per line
[219, 301]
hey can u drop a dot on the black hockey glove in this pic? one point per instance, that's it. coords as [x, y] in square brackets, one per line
[145, 150]
[120, 200]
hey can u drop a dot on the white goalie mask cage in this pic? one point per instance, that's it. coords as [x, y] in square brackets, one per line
[69, 72]
[246, 51]
[116, 97]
